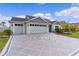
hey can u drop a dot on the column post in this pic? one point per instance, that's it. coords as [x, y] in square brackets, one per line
[47, 29]
[29, 27]
[13, 28]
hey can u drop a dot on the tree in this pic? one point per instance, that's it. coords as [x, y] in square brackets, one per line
[73, 27]
[7, 32]
[68, 27]
[3, 23]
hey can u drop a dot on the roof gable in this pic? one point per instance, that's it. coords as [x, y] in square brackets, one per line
[39, 20]
[31, 19]
[55, 22]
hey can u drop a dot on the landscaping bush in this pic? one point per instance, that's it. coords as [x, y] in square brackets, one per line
[7, 32]
[58, 30]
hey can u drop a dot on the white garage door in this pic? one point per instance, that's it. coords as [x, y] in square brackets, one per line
[18, 28]
[37, 28]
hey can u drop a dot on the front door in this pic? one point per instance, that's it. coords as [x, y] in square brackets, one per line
[50, 28]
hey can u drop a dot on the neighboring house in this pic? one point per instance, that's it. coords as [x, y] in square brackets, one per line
[31, 24]
[2, 27]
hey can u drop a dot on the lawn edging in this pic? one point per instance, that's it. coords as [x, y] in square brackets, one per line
[6, 47]
[65, 36]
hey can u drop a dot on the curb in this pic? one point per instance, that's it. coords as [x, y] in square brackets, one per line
[6, 47]
[74, 53]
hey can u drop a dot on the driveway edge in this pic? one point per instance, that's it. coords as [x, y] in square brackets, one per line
[74, 53]
[5, 49]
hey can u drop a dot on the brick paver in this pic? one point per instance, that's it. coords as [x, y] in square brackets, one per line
[42, 45]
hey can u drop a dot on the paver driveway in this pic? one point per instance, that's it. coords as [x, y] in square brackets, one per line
[42, 45]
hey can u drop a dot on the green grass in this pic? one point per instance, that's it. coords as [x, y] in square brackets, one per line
[74, 35]
[3, 41]
[1, 33]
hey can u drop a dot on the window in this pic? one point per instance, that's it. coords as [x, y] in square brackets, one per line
[18, 24]
[21, 24]
[15, 24]
[44, 25]
[31, 24]
[37, 25]
[40, 25]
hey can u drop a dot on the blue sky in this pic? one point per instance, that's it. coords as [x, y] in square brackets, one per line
[54, 11]
[14, 9]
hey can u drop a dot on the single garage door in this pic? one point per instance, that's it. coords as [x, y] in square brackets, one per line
[37, 28]
[18, 28]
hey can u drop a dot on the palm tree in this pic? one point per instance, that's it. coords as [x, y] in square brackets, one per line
[3, 23]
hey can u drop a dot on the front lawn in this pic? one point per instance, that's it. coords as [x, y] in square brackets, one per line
[74, 35]
[3, 41]
[4, 36]
[1, 34]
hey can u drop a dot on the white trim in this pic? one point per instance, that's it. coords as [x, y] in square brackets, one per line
[31, 19]
[23, 28]
[47, 29]
[13, 28]
[44, 19]
[29, 27]
[36, 18]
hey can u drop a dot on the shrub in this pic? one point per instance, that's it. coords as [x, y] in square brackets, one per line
[7, 32]
[58, 30]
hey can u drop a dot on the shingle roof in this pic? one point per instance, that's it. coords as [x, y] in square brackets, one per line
[27, 18]
[17, 19]
[22, 19]
[55, 22]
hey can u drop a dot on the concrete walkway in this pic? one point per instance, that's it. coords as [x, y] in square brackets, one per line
[42, 45]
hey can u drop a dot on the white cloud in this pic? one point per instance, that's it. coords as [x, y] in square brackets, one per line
[75, 4]
[44, 15]
[69, 14]
[5, 19]
[73, 11]
[21, 16]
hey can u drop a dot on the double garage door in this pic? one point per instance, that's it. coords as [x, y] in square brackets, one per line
[37, 28]
[34, 28]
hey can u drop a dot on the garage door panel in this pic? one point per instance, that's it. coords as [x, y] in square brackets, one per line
[19, 29]
[37, 29]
